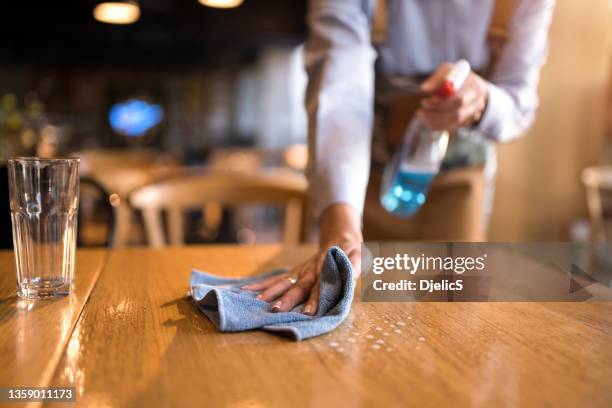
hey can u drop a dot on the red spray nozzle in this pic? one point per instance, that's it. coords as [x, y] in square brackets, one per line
[454, 80]
[446, 90]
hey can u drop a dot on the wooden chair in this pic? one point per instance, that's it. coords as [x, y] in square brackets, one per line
[598, 184]
[6, 236]
[226, 188]
[120, 172]
[96, 218]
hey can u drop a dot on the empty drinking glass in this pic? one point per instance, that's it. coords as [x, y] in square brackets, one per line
[44, 196]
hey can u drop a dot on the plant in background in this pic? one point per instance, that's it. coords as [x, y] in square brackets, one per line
[19, 128]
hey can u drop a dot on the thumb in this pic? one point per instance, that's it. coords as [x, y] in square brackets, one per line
[435, 80]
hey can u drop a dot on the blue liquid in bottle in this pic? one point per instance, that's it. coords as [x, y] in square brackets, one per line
[407, 192]
[409, 174]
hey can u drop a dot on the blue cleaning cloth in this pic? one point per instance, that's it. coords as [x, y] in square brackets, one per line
[232, 309]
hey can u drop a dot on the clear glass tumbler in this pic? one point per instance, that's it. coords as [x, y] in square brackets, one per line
[44, 195]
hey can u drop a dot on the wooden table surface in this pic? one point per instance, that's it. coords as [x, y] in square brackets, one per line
[33, 335]
[128, 337]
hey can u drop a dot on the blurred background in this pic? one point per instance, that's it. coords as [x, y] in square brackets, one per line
[182, 89]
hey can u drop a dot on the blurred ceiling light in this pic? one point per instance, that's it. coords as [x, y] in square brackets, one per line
[221, 3]
[117, 12]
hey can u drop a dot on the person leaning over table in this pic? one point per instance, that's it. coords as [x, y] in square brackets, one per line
[413, 37]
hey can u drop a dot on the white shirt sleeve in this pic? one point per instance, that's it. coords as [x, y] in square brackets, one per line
[513, 97]
[339, 100]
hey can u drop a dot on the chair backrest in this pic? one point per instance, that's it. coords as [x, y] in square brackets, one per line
[6, 236]
[94, 210]
[174, 196]
[598, 184]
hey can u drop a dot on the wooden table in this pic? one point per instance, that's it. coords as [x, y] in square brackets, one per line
[128, 337]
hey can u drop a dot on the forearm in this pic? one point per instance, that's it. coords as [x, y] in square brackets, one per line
[339, 224]
[339, 61]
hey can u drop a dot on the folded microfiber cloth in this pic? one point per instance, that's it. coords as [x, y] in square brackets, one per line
[232, 309]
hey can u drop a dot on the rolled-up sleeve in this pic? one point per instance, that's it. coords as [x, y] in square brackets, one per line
[339, 100]
[513, 98]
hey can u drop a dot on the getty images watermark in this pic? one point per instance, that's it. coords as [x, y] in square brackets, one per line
[411, 264]
[395, 271]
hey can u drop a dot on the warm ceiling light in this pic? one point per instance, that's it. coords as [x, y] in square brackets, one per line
[221, 3]
[117, 12]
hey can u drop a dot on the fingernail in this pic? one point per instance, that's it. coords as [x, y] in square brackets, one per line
[258, 297]
[276, 307]
[307, 309]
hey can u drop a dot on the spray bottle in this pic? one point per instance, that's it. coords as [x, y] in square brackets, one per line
[408, 176]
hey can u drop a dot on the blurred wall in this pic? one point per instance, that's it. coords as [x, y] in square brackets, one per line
[270, 98]
[538, 187]
[257, 100]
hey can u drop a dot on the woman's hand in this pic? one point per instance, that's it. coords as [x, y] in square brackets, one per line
[340, 226]
[462, 109]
